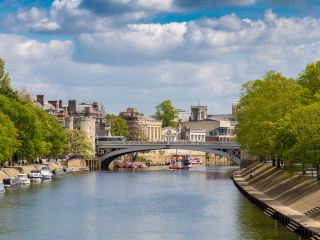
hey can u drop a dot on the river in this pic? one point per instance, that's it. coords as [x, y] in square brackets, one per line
[199, 204]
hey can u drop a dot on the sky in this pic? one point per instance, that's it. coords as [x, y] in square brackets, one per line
[137, 53]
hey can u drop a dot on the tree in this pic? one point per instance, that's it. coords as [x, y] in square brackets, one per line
[8, 138]
[310, 77]
[166, 113]
[52, 133]
[5, 87]
[78, 143]
[306, 125]
[262, 113]
[28, 125]
[119, 126]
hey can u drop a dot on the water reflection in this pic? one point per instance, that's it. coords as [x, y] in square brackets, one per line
[198, 204]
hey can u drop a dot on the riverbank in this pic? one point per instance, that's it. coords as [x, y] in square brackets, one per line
[290, 198]
[11, 172]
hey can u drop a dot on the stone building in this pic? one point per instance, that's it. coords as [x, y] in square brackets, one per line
[183, 116]
[88, 117]
[134, 120]
[141, 127]
[170, 134]
[152, 128]
[215, 130]
[195, 135]
[199, 113]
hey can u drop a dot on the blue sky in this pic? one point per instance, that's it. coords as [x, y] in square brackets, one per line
[139, 52]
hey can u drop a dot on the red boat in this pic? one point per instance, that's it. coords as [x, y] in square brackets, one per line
[180, 162]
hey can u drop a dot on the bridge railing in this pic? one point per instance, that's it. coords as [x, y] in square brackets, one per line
[139, 143]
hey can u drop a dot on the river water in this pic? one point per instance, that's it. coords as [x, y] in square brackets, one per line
[199, 204]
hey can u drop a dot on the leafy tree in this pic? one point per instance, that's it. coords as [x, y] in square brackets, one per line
[52, 133]
[8, 138]
[28, 125]
[310, 77]
[5, 87]
[262, 114]
[166, 113]
[306, 125]
[119, 126]
[78, 143]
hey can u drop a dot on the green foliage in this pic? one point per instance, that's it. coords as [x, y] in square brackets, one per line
[78, 143]
[306, 126]
[5, 87]
[28, 126]
[262, 114]
[166, 113]
[119, 126]
[310, 77]
[8, 138]
[53, 135]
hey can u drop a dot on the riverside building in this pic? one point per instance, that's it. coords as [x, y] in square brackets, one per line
[88, 117]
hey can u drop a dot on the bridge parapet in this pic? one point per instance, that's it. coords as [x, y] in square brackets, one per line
[139, 143]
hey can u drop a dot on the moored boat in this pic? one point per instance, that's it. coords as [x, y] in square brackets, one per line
[46, 173]
[10, 182]
[2, 187]
[180, 162]
[23, 178]
[35, 176]
[195, 161]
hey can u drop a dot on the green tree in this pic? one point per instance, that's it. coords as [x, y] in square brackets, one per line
[310, 77]
[78, 143]
[166, 113]
[28, 125]
[52, 133]
[5, 87]
[262, 114]
[8, 138]
[306, 125]
[119, 126]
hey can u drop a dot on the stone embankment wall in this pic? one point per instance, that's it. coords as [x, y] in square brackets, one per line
[14, 171]
[289, 197]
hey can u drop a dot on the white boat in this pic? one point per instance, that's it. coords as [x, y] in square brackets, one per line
[10, 182]
[46, 173]
[180, 162]
[2, 187]
[35, 176]
[23, 178]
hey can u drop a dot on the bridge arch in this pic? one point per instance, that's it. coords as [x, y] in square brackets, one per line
[107, 158]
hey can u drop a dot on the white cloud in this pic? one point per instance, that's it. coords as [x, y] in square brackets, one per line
[142, 64]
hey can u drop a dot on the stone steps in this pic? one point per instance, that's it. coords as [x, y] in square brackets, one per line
[312, 210]
[269, 212]
[292, 226]
[315, 237]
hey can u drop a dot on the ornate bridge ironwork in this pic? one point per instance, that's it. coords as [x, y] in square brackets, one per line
[109, 151]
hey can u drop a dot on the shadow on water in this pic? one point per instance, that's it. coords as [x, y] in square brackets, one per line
[253, 224]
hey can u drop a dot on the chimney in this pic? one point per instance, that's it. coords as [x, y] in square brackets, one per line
[40, 99]
[87, 110]
[60, 103]
[95, 105]
[72, 106]
[53, 103]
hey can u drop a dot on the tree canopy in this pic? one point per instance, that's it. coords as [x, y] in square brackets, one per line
[9, 142]
[262, 112]
[5, 87]
[78, 143]
[166, 113]
[310, 77]
[279, 117]
[27, 131]
[118, 125]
